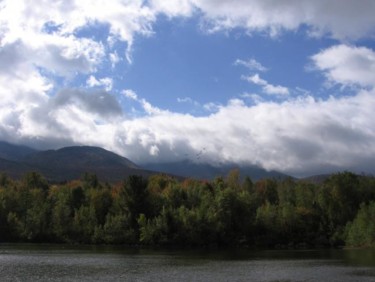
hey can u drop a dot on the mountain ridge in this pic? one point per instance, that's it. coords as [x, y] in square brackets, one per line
[67, 163]
[13, 152]
[72, 162]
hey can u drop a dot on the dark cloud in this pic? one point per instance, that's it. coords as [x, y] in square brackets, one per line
[11, 57]
[101, 103]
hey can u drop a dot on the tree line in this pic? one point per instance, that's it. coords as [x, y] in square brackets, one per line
[161, 210]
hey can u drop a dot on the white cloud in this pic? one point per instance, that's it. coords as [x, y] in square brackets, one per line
[211, 107]
[297, 135]
[130, 94]
[66, 55]
[251, 64]
[341, 19]
[149, 108]
[173, 8]
[154, 150]
[184, 100]
[267, 87]
[21, 85]
[105, 82]
[189, 101]
[92, 81]
[347, 65]
[40, 46]
[255, 79]
[114, 58]
[46, 31]
[275, 90]
[70, 117]
[255, 98]
[146, 106]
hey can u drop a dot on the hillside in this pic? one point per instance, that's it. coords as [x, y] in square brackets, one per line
[14, 169]
[67, 163]
[72, 162]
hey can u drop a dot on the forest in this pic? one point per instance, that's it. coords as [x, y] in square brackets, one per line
[164, 211]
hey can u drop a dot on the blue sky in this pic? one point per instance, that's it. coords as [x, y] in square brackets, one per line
[181, 65]
[286, 85]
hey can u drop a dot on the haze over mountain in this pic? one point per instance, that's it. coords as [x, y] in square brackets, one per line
[188, 168]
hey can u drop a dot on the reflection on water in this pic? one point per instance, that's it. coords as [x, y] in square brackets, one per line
[63, 263]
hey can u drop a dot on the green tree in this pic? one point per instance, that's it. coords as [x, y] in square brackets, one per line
[134, 198]
[361, 232]
[84, 224]
[62, 213]
[117, 230]
[338, 202]
[233, 179]
[266, 191]
[34, 180]
[267, 225]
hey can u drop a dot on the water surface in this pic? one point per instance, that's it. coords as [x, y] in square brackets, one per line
[72, 263]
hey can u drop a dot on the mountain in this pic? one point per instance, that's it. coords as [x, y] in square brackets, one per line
[188, 169]
[10, 156]
[14, 169]
[14, 152]
[67, 163]
[79, 157]
[72, 162]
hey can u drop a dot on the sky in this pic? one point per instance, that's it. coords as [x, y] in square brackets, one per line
[286, 85]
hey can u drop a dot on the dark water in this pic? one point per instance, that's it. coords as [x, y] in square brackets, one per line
[64, 263]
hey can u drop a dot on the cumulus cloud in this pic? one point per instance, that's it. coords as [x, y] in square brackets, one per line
[294, 136]
[49, 29]
[347, 65]
[267, 88]
[21, 84]
[71, 117]
[40, 45]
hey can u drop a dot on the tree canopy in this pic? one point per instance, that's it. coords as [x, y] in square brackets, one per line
[161, 210]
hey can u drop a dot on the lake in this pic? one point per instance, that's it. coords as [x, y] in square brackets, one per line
[101, 263]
